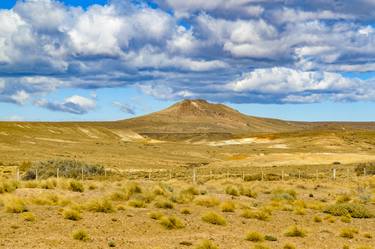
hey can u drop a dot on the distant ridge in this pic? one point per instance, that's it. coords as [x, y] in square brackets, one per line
[200, 116]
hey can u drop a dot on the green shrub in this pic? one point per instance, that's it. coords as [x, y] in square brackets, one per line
[28, 216]
[282, 194]
[207, 201]
[100, 206]
[76, 186]
[81, 235]
[67, 169]
[348, 232]
[294, 231]
[228, 206]
[353, 209]
[254, 237]
[171, 222]
[346, 218]
[214, 218]
[72, 214]
[206, 244]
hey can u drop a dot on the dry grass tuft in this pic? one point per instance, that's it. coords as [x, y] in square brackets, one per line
[214, 218]
[100, 206]
[28, 216]
[81, 235]
[207, 201]
[14, 204]
[72, 214]
[227, 206]
[348, 232]
[294, 231]
[171, 222]
[206, 244]
[254, 237]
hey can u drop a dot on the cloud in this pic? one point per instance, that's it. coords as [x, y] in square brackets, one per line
[189, 48]
[124, 107]
[75, 104]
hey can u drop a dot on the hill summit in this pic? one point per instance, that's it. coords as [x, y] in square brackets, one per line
[201, 116]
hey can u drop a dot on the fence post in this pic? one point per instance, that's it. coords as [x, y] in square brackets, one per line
[364, 171]
[282, 175]
[243, 175]
[57, 173]
[18, 174]
[36, 174]
[194, 176]
[299, 174]
[170, 174]
[82, 173]
[105, 173]
[334, 174]
[149, 175]
[262, 176]
[348, 173]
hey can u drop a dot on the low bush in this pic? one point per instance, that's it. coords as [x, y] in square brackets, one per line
[8, 186]
[100, 206]
[137, 203]
[206, 244]
[28, 216]
[254, 237]
[214, 218]
[163, 203]
[289, 246]
[317, 219]
[247, 191]
[156, 215]
[72, 214]
[294, 231]
[67, 169]
[81, 235]
[270, 238]
[353, 209]
[227, 206]
[171, 222]
[15, 205]
[207, 201]
[348, 232]
[185, 211]
[232, 190]
[76, 186]
[282, 194]
[48, 184]
[258, 214]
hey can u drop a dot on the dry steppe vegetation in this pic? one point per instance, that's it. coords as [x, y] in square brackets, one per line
[220, 213]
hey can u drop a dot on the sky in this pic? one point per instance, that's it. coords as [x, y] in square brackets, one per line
[78, 60]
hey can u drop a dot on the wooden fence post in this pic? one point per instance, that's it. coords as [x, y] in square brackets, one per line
[299, 174]
[18, 174]
[194, 176]
[170, 174]
[282, 175]
[243, 175]
[262, 176]
[82, 173]
[36, 174]
[364, 171]
[57, 173]
[334, 174]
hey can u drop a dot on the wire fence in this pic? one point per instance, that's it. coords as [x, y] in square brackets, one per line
[199, 174]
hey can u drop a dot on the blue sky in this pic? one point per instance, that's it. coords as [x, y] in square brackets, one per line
[109, 60]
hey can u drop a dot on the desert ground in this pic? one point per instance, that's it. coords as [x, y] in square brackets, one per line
[196, 175]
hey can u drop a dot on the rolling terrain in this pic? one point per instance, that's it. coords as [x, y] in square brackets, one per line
[187, 133]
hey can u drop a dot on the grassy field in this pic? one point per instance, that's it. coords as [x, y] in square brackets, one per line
[306, 213]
